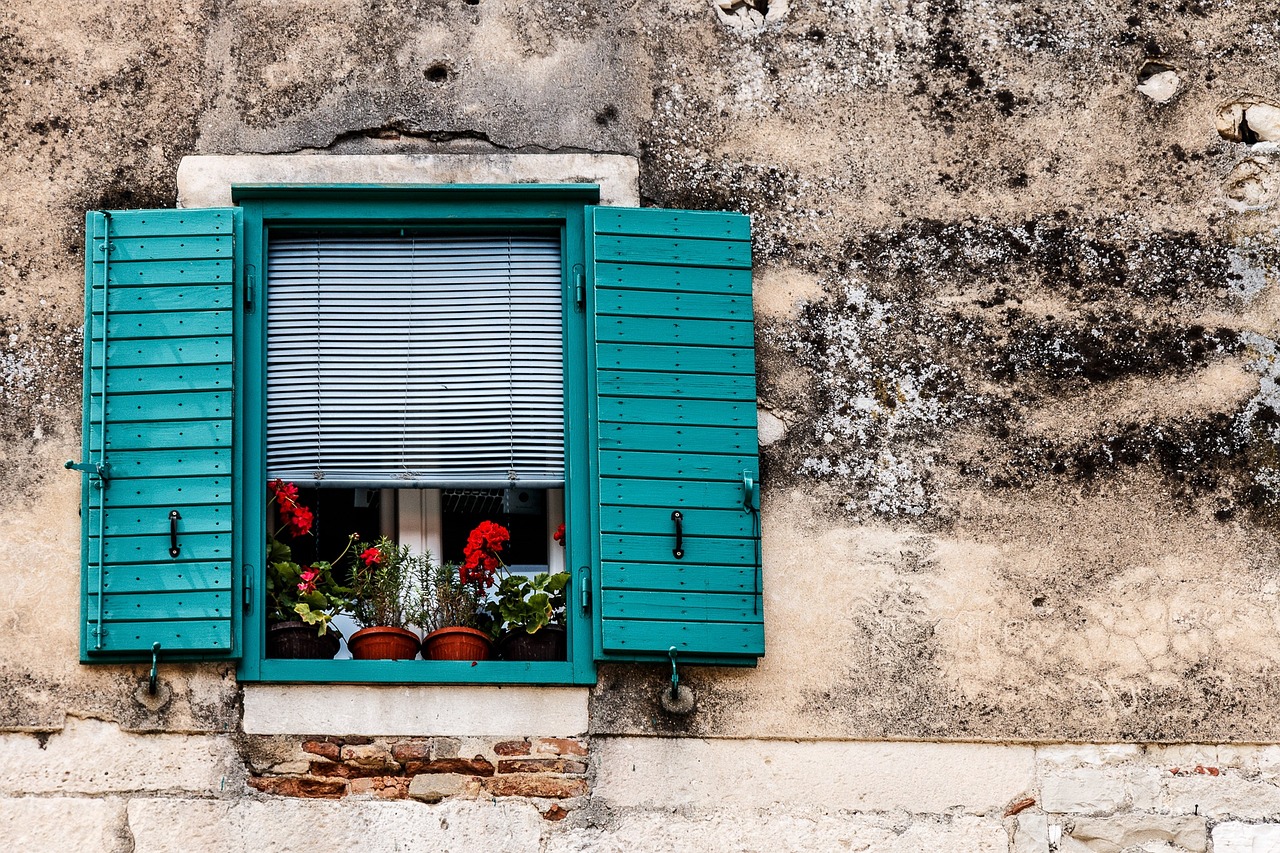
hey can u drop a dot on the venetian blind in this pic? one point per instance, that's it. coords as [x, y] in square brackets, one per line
[415, 361]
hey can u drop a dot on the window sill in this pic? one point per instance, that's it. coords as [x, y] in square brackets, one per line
[418, 710]
[420, 672]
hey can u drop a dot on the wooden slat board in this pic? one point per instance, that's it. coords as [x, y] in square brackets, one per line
[676, 423]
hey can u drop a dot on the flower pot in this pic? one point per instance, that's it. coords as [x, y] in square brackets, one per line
[298, 640]
[383, 643]
[456, 643]
[545, 644]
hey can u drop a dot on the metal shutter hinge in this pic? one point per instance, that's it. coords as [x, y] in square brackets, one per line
[100, 470]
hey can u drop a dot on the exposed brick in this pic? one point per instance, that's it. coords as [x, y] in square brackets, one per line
[345, 771]
[535, 785]
[324, 749]
[387, 787]
[556, 812]
[411, 751]
[558, 746]
[541, 765]
[354, 740]
[295, 786]
[511, 747]
[477, 766]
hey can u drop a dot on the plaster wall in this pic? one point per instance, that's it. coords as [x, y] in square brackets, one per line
[1016, 288]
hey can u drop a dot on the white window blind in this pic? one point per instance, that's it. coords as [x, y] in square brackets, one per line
[415, 361]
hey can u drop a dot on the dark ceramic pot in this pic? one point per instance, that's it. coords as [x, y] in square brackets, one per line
[299, 641]
[549, 643]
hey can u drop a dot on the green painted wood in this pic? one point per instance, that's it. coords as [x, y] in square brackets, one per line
[160, 606]
[199, 377]
[169, 492]
[165, 320]
[168, 405]
[622, 518]
[178, 352]
[689, 306]
[180, 434]
[667, 223]
[151, 545]
[677, 577]
[744, 639]
[675, 466]
[662, 330]
[666, 386]
[167, 577]
[122, 327]
[673, 278]
[134, 300]
[692, 359]
[202, 639]
[195, 519]
[680, 439]
[159, 223]
[674, 252]
[181, 248]
[185, 273]
[699, 548]
[676, 426]
[679, 606]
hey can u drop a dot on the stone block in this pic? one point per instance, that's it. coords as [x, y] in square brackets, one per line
[1088, 755]
[1131, 830]
[434, 787]
[372, 756]
[95, 757]
[1235, 837]
[58, 824]
[1085, 790]
[1031, 835]
[1217, 797]
[918, 778]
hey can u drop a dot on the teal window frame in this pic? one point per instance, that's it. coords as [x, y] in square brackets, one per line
[543, 207]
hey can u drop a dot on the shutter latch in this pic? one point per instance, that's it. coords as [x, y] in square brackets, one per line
[95, 469]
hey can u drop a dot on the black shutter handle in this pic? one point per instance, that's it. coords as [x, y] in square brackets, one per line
[678, 518]
[174, 547]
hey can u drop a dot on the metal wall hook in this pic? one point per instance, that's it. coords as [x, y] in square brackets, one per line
[678, 518]
[174, 547]
[155, 659]
[675, 675]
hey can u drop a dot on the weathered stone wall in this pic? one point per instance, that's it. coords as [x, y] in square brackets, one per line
[1016, 268]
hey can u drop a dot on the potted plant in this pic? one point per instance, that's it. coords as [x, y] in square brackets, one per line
[301, 599]
[384, 586]
[452, 616]
[527, 613]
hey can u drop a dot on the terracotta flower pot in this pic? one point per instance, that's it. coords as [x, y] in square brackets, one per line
[297, 640]
[380, 642]
[456, 643]
[545, 644]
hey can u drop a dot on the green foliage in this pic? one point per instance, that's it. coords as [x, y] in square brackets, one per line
[387, 582]
[448, 602]
[528, 603]
[309, 593]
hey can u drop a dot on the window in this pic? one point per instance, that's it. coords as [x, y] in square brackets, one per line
[658, 444]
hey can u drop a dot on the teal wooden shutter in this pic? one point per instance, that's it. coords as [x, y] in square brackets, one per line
[676, 427]
[159, 298]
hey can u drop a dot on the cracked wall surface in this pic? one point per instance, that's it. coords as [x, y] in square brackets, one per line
[1016, 286]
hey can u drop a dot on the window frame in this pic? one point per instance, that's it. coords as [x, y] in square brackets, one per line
[559, 207]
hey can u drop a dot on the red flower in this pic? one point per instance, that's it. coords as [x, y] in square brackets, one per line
[559, 535]
[309, 577]
[480, 555]
[299, 520]
[295, 517]
[371, 556]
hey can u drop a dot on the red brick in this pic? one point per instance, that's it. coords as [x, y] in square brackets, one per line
[556, 812]
[511, 747]
[345, 771]
[324, 749]
[355, 740]
[558, 746]
[541, 765]
[535, 785]
[295, 786]
[477, 766]
[411, 751]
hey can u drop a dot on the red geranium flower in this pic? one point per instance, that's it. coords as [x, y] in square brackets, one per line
[559, 535]
[299, 520]
[309, 577]
[480, 555]
[371, 556]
